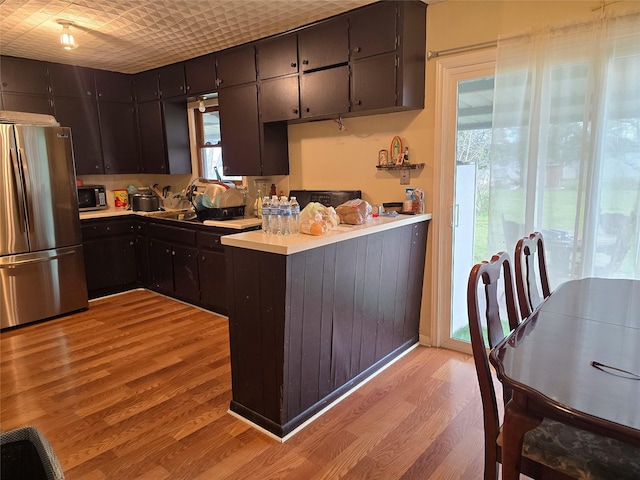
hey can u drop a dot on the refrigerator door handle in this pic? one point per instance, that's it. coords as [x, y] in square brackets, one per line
[25, 186]
[19, 184]
[36, 260]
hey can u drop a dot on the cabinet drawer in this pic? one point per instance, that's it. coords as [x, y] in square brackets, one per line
[105, 228]
[210, 241]
[172, 234]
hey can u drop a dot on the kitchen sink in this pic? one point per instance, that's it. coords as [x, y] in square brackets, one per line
[184, 216]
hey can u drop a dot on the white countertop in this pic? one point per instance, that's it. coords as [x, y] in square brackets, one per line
[289, 244]
[234, 223]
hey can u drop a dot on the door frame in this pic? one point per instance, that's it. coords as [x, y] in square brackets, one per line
[448, 72]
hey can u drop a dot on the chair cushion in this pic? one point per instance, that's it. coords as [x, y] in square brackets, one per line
[580, 454]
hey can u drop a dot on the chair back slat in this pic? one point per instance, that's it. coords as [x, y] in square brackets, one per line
[531, 269]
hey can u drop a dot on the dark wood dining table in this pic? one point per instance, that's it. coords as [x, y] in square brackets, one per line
[547, 361]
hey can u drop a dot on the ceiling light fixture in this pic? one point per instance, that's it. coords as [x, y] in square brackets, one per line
[66, 37]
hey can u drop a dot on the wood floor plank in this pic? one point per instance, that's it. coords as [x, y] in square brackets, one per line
[138, 387]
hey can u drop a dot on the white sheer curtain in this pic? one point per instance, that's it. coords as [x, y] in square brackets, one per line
[565, 155]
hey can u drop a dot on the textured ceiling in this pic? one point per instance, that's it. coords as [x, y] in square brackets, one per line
[134, 35]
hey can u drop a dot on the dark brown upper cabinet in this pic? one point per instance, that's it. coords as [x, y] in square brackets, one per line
[372, 30]
[146, 86]
[113, 86]
[160, 83]
[277, 56]
[240, 129]
[20, 102]
[164, 137]
[72, 81]
[373, 83]
[119, 137]
[20, 75]
[279, 99]
[82, 116]
[324, 45]
[325, 93]
[200, 73]
[171, 79]
[250, 147]
[236, 66]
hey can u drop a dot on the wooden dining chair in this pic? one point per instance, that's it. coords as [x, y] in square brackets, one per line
[528, 276]
[553, 450]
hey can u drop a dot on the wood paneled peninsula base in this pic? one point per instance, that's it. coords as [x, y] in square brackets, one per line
[312, 317]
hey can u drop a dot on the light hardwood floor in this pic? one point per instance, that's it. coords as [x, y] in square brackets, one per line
[139, 385]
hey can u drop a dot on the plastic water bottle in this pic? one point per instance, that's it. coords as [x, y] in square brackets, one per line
[285, 216]
[294, 223]
[266, 215]
[274, 221]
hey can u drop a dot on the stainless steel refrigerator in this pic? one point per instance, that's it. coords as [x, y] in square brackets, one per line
[41, 259]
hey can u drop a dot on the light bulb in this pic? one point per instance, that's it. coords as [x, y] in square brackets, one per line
[66, 37]
[201, 106]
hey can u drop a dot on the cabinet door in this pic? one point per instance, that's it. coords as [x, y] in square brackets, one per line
[324, 45]
[19, 102]
[82, 117]
[239, 129]
[325, 92]
[110, 262]
[185, 273]
[279, 99]
[176, 133]
[213, 280]
[24, 76]
[118, 133]
[72, 81]
[146, 86]
[160, 265]
[236, 66]
[200, 74]
[373, 83]
[113, 86]
[277, 56]
[152, 149]
[142, 260]
[372, 30]
[171, 80]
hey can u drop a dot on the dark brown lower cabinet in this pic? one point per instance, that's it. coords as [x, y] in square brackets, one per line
[109, 256]
[306, 328]
[160, 266]
[212, 272]
[186, 284]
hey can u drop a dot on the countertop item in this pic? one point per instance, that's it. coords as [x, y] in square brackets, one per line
[299, 242]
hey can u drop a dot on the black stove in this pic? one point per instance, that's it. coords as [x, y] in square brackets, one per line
[328, 198]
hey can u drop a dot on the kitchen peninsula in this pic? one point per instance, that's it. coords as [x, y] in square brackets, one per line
[312, 317]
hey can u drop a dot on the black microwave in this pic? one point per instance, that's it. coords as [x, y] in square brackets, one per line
[92, 197]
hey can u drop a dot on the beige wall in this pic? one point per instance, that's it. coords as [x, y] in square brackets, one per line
[322, 157]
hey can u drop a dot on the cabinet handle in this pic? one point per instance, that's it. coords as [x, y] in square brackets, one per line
[358, 102]
[356, 50]
[294, 64]
[307, 109]
[99, 94]
[188, 88]
[181, 88]
[131, 243]
[305, 62]
[295, 110]
[89, 93]
[173, 252]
